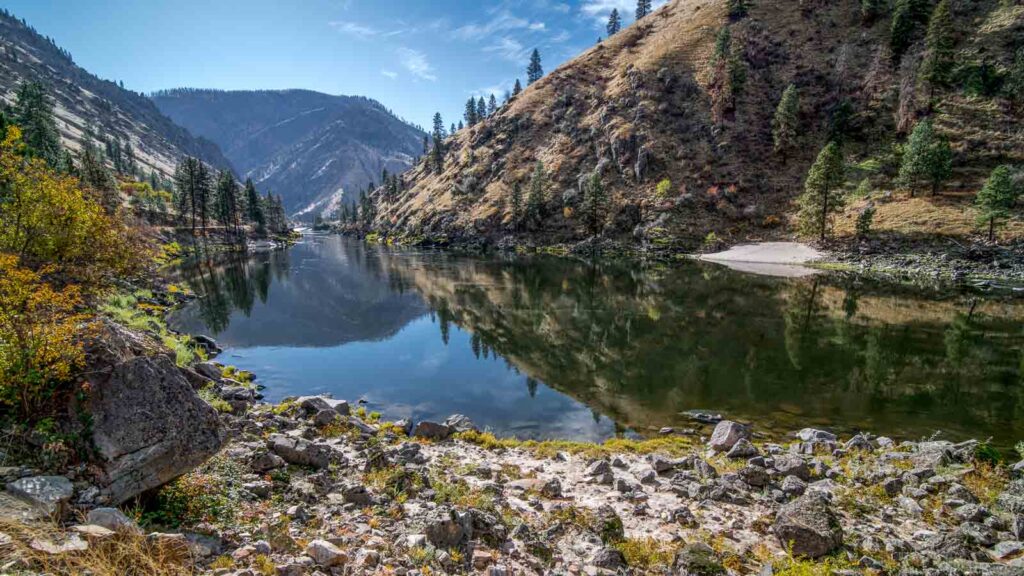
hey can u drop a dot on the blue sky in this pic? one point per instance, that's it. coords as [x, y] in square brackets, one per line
[415, 56]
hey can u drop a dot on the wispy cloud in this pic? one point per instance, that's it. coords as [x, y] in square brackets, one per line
[416, 63]
[389, 74]
[502, 21]
[498, 90]
[354, 29]
[508, 48]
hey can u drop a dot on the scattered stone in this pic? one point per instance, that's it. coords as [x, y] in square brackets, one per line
[325, 554]
[742, 449]
[809, 525]
[609, 559]
[431, 430]
[460, 423]
[697, 560]
[299, 451]
[111, 519]
[727, 433]
[792, 465]
[444, 528]
[49, 494]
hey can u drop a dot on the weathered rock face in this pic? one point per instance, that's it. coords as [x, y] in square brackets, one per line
[48, 494]
[809, 526]
[148, 425]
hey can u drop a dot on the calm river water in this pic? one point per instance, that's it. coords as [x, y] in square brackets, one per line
[544, 347]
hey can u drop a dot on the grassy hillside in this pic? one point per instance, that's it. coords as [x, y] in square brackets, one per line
[647, 105]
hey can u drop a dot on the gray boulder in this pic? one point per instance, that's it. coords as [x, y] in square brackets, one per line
[792, 465]
[809, 525]
[299, 451]
[697, 560]
[727, 433]
[445, 529]
[48, 494]
[148, 424]
[742, 449]
[111, 519]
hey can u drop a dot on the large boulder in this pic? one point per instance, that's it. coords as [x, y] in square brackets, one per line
[432, 430]
[727, 433]
[148, 424]
[809, 525]
[445, 528]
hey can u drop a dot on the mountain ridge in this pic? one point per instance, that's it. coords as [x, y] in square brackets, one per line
[307, 146]
[85, 102]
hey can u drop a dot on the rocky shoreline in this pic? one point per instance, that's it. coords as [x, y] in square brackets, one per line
[315, 486]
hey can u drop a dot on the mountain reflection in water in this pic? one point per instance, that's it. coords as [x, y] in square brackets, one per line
[551, 347]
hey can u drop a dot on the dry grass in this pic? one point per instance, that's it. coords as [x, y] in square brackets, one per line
[947, 215]
[124, 554]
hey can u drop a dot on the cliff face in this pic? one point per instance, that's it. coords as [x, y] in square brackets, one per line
[648, 105]
[310, 148]
[83, 101]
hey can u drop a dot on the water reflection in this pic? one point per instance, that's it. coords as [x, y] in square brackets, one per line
[550, 347]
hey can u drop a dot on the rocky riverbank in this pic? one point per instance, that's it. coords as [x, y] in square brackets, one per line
[316, 486]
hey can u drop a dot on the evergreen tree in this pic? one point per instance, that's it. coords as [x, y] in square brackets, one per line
[186, 177]
[534, 71]
[470, 113]
[738, 9]
[938, 60]
[253, 206]
[226, 201]
[823, 193]
[996, 199]
[784, 125]
[643, 8]
[907, 18]
[492, 106]
[871, 10]
[1013, 87]
[96, 178]
[517, 89]
[928, 158]
[595, 204]
[460, 125]
[517, 205]
[426, 144]
[438, 127]
[535, 199]
[481, 109]
[33, 113]
[437, 156]
[614, 23]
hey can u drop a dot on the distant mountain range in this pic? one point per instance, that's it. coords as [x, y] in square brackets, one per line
[83, 101]
[309, 147]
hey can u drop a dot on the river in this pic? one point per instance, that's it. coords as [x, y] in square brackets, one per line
[548, 347]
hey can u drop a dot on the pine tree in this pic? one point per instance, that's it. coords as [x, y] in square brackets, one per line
[426, 144]
[870, 10]
[535, 199]
[996, 199]
[185, 184]
[643, 8]
[907, 18]
[823, 193]
[738, 9]
[928, 158]
[517, 89]
[460, 125]
[470, 113]
[437, 156]
[33, 113]
[516, 203]
[784, 125]
[481, 109]
[614, 23]
[453, 129]
[492, 106]
[96, 178]
[203, 194]
[226, 203]
[253, 207]
[534, 71]
[438, 127]
[938, 60]
[595, 203]
[1013, 87]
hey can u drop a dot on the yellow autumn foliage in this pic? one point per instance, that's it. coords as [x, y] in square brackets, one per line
[48, 221]
[39, 338]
